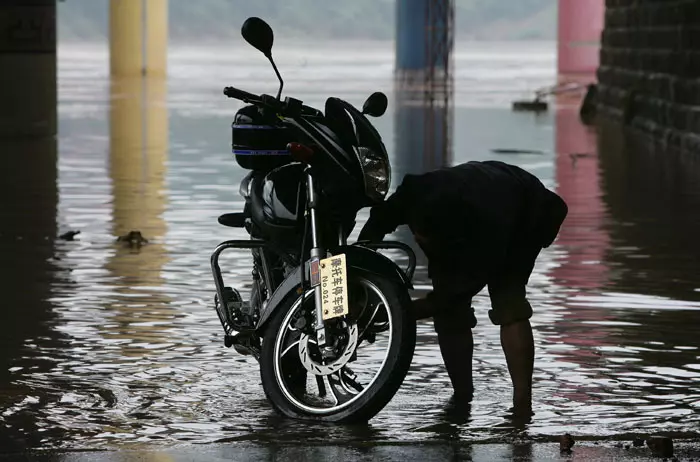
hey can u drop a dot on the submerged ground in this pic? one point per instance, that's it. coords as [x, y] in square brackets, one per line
[122, 350]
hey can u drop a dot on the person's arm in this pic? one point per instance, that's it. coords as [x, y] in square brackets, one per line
[384, 218]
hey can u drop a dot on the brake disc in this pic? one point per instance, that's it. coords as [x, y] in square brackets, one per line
[317, 368]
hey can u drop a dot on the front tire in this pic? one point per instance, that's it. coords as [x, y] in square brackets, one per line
[293, 371]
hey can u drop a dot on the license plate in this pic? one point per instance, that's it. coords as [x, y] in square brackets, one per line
[334, 287]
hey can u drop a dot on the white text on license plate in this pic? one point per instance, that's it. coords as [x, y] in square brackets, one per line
[334, 287]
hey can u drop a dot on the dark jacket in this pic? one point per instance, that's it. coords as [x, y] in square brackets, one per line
[471, 214]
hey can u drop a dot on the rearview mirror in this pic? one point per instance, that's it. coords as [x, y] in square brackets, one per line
[375, 105]
[259, 34]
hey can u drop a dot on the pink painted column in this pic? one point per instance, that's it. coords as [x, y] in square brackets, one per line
[581, 24]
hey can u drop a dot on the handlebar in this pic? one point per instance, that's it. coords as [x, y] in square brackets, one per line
[289, 107]
[398, 246]
[233, 92]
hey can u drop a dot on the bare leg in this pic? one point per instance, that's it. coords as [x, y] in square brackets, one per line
[457, 349]
[519, 348]
[454, 329]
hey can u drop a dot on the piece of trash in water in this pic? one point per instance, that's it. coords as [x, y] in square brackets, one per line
[660, 446]
[69, 236]
[516, 151]
[566, 442]
[533, 106]
[589, 108]
[133, 238]
[578, 155]
[575, 156]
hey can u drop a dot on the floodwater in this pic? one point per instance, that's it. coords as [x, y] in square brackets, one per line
[109, 347]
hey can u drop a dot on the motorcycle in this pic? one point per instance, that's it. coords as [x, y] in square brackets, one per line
[318, 307]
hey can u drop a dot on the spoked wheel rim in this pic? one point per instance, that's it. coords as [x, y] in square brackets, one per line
[364, 340]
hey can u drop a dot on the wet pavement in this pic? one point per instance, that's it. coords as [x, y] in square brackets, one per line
[109, 347]
[520, 452]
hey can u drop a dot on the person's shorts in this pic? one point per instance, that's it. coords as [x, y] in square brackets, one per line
[507, 291]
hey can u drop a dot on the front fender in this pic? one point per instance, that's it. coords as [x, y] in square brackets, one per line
[356, 257]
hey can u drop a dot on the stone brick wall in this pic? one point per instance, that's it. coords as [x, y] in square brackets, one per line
[649, 74]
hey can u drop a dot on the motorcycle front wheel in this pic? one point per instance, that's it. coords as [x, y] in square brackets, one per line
[356, 375]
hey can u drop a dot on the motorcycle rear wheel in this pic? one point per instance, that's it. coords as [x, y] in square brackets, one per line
[291, 366]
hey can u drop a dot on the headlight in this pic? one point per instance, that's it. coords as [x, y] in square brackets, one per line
[376, 171]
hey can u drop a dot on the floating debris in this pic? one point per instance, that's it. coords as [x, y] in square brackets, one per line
[134, 238]
[532, 106]
[578, 155]
[661, 446]
[566, 442]
[516, 151]
[539, 105]
[69, 236]
[589, 105]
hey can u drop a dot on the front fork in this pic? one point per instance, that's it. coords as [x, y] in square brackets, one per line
[317, 253]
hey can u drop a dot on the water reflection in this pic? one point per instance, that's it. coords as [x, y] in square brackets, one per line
[28, 203]
[139, 315]
[652, 195]
[630, 358]
[28, 225]
[583, 233]
[422, 129]
[141, 361]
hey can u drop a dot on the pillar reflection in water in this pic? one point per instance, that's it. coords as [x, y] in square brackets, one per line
[423, 89]
[28, 206]
[417, 148]
[138, 156]
[583, 234]
[411, 139]
[630, 230]
[580, 250]
[28, 171]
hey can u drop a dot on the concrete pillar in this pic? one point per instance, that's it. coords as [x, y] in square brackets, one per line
[28, 192]
[138, 35]
[28, 63]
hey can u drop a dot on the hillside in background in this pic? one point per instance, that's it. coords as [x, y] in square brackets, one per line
[205, 20]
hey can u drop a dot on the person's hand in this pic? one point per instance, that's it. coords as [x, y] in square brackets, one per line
[370, 235]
